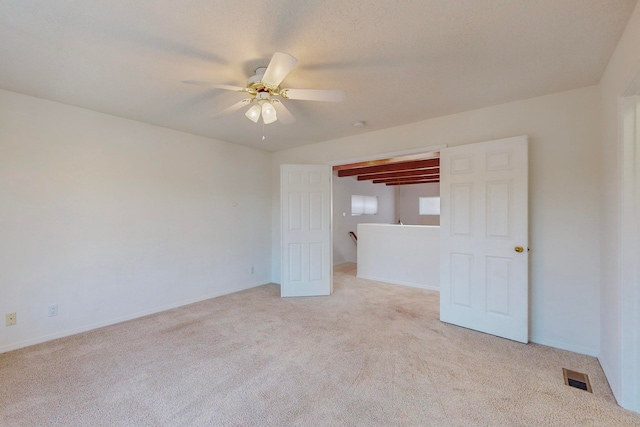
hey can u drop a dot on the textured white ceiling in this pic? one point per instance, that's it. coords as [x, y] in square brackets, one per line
[399, 62]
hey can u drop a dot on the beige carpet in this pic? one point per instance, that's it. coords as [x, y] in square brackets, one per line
[372, 354]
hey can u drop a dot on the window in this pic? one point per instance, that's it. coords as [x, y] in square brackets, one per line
[429, 205]
[364, 205]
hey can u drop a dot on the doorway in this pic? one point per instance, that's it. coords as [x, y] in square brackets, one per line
[483, 258]
[392, 182]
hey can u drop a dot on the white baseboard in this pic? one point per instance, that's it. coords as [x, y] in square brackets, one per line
[610, 375]
[399, 282]
[69, 332]
[564, 346]
[343, 262]
[615, 382]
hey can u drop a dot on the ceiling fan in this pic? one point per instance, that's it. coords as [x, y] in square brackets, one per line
[266, 93]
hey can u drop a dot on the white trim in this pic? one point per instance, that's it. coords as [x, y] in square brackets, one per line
[69, 332]
[612, 377]
[627, 390]
[386, 155]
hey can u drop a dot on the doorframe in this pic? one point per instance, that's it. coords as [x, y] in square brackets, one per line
[372, 157]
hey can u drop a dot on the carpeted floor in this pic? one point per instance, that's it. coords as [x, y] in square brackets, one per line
[372, 354]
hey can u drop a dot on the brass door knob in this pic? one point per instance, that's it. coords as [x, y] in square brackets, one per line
[519, 249]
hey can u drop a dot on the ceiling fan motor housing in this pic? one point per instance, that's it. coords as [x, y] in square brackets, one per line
[255, 83]
[257, 77]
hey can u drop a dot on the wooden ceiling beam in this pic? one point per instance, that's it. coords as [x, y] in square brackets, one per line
[415, 172]
[391, 167]
[426, 181]
[434, 178]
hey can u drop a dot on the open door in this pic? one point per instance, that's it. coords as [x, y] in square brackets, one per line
[484, 282]
[305, 210]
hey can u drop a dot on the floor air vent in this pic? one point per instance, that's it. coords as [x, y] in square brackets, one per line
[577, 380]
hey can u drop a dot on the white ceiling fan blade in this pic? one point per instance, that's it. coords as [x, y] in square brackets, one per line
[234, 107]
[279, 67]
[330, 95]
[215, 85]
[284, 115]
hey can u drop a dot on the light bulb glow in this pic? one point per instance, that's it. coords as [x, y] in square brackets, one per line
[268, 113]
[253, 113]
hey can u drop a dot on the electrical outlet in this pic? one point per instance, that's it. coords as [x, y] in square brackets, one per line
[11, 319]
[52, 310]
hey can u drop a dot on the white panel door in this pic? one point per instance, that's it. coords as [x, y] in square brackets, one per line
[484, 281]
[305, 210]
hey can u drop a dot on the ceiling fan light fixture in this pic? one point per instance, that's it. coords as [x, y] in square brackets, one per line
[253, 113]
[268, 113]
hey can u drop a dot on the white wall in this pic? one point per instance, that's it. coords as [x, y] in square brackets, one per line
[564, 161]
[408, 196]
[344, 248]
[112, 219]
[402, 254]
[614, 357]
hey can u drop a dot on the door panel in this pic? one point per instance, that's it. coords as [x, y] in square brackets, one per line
[462, 212]
[498, 277]
[461, 279]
